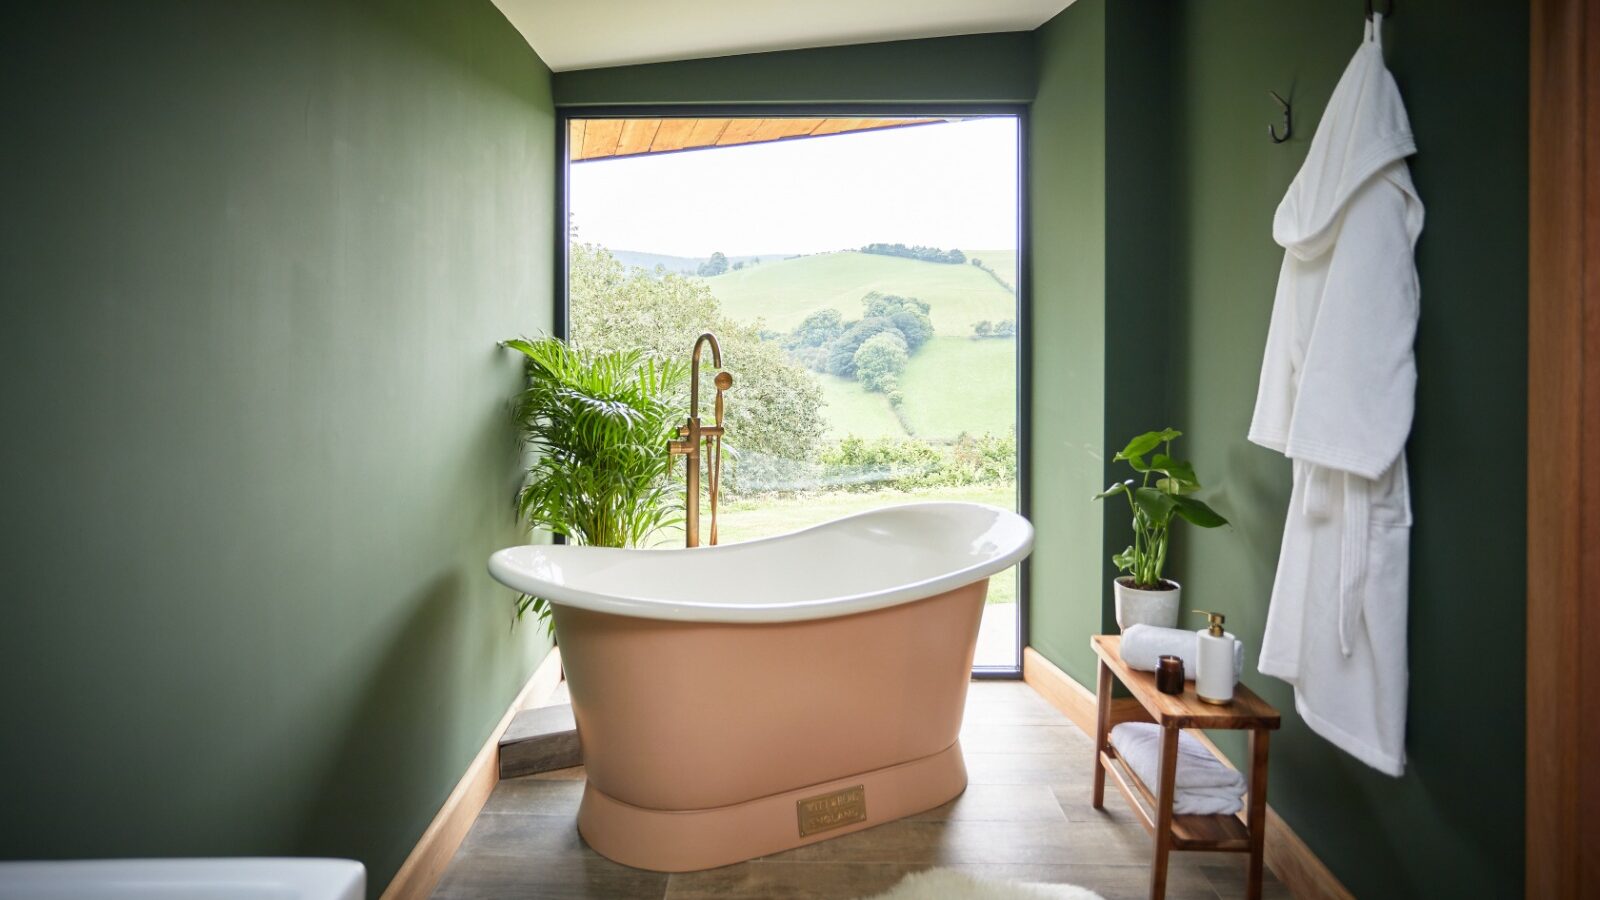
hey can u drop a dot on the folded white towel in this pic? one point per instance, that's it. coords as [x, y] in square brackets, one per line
[1143, 644]
[1195, 803]
[1204, 785]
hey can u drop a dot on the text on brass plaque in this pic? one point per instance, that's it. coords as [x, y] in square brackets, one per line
[834, 810]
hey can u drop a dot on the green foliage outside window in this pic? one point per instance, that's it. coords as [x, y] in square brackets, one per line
[880, 361]
[775, 406]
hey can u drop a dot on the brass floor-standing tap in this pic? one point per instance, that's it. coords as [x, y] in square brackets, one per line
[692, 436]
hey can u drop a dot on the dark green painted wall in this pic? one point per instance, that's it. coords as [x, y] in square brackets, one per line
[1067, 166]
[1144, 228]
[256, 257]
[1188, 266]
[1105, 228]
[974, 68]
[1452, 827]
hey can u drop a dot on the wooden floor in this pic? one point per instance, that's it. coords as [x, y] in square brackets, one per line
[1025, 816]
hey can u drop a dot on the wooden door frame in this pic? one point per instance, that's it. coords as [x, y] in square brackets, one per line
[1563, 588]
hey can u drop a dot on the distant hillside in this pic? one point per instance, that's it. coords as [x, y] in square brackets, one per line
[954, 384]
[683, 265]
[785, 291]
[1001, 264]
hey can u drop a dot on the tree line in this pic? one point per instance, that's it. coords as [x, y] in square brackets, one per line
[718, 263]
[926, 254]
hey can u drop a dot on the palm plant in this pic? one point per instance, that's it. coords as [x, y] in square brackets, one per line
[598, 424]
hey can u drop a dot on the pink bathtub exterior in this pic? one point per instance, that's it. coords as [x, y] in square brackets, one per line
[706, 722]
[687, 727]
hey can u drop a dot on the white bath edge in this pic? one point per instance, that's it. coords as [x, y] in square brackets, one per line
[510, 567]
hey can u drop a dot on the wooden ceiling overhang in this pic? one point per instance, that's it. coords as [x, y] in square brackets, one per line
[614, 138]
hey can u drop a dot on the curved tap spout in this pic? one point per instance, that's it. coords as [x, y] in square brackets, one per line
[692, 434]
[694, 369]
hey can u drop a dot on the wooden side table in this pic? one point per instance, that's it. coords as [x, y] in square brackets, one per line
[1175, 713]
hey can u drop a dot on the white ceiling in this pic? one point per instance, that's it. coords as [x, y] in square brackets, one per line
[587, 34]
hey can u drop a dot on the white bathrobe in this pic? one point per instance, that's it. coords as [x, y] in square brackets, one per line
[1336, 396]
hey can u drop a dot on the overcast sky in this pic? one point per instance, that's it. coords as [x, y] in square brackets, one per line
[944, 185]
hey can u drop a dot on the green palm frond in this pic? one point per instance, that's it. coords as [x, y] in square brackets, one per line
[599, 425]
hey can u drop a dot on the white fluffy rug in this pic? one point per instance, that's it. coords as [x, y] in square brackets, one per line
[948, 884]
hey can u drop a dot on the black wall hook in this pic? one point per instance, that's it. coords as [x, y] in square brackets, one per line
[1288, 121]
[1389, 11]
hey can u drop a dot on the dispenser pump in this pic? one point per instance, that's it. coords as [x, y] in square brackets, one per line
[1215, 650]
[1216, 620]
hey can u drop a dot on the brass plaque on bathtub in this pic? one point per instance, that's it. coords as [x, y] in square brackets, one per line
[830, 811]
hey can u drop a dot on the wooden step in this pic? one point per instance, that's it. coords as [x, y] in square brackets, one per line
[540, 740]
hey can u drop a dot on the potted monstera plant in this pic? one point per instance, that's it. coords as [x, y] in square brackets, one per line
[1160, 495]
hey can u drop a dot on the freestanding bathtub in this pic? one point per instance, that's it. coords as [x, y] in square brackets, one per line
[738, 700]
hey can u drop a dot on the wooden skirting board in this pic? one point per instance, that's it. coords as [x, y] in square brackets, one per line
[1072, 698]
[421, 871]
[1286, 855]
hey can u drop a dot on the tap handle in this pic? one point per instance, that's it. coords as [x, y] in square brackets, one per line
[723, 381]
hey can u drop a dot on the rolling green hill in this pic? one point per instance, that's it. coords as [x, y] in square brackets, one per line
[1004, 263]
[784, 292]
[956, 384]
[952, 385]
[854, 410]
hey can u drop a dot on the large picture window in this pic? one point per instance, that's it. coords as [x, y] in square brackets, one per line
[862, 275]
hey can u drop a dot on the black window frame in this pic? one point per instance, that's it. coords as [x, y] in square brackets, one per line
[565, 115]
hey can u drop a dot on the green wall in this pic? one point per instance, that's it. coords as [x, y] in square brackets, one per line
[1188, 267]
[1105, 231]
[1067, 164]
[256, 257]
[1143, 228]
[1452, 827]
[973, 68]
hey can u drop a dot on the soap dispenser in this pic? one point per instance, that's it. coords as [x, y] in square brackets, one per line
[1213, 679]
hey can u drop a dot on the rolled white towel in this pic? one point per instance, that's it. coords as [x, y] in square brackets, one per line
[1143, 644]
[1199, 772]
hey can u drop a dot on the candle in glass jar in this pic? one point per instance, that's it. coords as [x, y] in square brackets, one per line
[1169, 675]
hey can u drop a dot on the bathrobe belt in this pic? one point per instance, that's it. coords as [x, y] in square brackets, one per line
[1352, 545]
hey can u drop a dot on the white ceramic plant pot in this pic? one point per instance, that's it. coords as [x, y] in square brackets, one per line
[1139, 607]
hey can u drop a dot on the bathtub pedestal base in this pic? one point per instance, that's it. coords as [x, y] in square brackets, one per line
[688, 840]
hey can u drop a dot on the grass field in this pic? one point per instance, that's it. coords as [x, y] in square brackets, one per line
[956, 384]
[1003, 262]
[741, 520]
[953, 384]
[783, 293]
[852, 410]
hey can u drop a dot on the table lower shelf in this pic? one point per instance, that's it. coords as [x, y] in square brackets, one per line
[1226, 833]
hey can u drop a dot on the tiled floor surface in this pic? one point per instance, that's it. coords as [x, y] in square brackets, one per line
[1025, 815]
